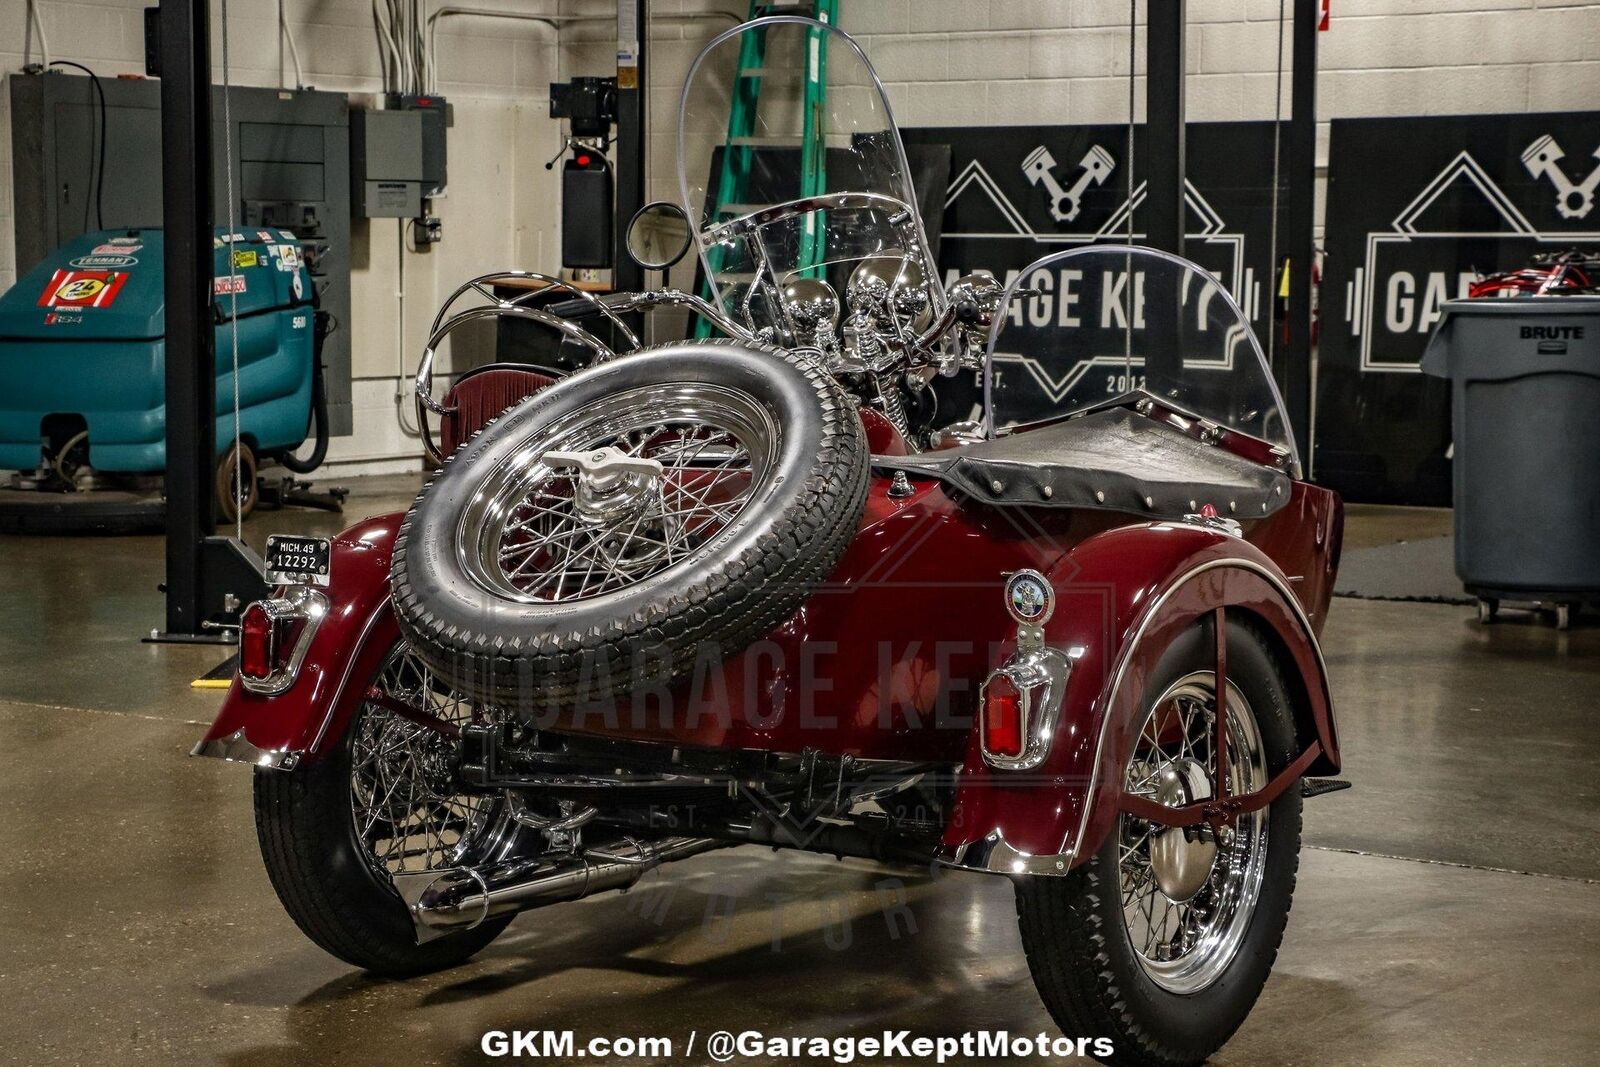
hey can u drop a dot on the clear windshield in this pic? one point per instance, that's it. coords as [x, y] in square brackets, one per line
[1091, 324]
[790, 165]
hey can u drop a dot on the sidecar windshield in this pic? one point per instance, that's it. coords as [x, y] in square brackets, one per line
[790, 165]
[1081, 327]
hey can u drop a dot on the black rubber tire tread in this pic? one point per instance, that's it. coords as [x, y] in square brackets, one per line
[307, 835]
[725, 602]
[1072, 929]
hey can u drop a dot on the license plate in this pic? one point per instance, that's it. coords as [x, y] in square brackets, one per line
[302, 560]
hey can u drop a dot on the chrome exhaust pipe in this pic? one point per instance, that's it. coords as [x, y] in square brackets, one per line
[443, 902]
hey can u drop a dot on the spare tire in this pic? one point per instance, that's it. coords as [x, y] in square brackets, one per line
[606, 532]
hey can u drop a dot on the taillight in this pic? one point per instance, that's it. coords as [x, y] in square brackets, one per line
[1002, 718]
[274, 636]
[257, 642]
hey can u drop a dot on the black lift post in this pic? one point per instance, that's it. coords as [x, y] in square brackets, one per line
[207, 576]
[631, 86]
[187, 212]
[1293, 366]
[1164, 165]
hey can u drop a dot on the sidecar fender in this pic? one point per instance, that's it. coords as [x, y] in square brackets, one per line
[307, 720]
[1122, 597]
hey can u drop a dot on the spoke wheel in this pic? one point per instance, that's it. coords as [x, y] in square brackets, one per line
[1187, 898]
[404, 809]
[1159, 938]
[380, 802]
[642, 516]
[625, 491]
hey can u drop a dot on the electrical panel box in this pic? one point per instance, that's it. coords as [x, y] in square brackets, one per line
[386, 164]
[436, 117]
[290, 170]
[397, 157]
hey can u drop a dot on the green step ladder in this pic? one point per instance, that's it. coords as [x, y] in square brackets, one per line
[738, 152]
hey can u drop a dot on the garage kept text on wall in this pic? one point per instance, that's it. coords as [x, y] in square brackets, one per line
[1016, 194]
[1417, 207]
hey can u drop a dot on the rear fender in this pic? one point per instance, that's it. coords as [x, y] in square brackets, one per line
[306, 721]
[1122, 597]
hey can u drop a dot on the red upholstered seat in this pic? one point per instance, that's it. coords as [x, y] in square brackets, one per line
[480, 395]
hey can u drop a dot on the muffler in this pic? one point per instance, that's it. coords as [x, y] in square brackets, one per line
[443, 902]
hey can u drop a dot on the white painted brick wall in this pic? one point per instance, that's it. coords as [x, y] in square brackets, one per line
[501, 210]
[946, 62]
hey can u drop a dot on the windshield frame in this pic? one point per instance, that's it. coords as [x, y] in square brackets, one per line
[751, 224]
[1001, 319]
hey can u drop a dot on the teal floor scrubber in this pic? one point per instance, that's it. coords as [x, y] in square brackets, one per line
[82, 356]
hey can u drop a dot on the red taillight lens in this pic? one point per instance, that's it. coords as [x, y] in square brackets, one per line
[1002, 718]
[257, 633]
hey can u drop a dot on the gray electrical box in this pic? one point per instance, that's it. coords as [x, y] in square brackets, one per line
[291, 170]
[387, 170]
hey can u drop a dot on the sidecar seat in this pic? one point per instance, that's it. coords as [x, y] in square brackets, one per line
[480, 395]
[1112, 460]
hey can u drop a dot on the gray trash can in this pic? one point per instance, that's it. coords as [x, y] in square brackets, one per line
[1525, 401]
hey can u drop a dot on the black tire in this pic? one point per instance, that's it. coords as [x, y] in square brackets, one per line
[228, 503]
[1073, 932]
[737, 587]
[322, 875]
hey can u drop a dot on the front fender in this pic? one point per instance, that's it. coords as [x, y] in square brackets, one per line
[1122, 597]
[305, 721]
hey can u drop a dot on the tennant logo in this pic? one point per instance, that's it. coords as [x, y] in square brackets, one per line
[1552, 333]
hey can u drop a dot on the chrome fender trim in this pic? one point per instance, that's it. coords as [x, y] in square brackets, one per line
[993, 855]
[235, 749]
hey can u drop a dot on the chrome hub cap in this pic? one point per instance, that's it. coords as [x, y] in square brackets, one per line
[1181, 858]
[610, 485]
[1188, 897]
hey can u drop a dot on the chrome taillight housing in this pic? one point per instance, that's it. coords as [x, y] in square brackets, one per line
[1020, 702]
[1021, 705]
[274, 636]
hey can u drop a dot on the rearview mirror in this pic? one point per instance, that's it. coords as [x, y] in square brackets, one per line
[658, 236]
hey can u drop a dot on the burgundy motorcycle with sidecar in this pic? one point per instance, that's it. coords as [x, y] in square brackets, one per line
[756, 590]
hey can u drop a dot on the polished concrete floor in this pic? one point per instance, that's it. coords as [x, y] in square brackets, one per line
[1448, 908]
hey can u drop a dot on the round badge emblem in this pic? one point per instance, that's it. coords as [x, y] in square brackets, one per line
[1029, 597]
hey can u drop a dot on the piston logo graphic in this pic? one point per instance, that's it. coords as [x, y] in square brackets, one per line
[1065, 201]
[1574, 200]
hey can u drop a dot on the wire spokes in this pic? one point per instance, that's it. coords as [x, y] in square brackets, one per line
[560, 545]
[1185, 937]
[404, 809]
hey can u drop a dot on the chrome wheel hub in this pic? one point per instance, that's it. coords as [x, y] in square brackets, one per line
[618, 493]
[1188, 894]
[611, 485]
[1181, 858]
